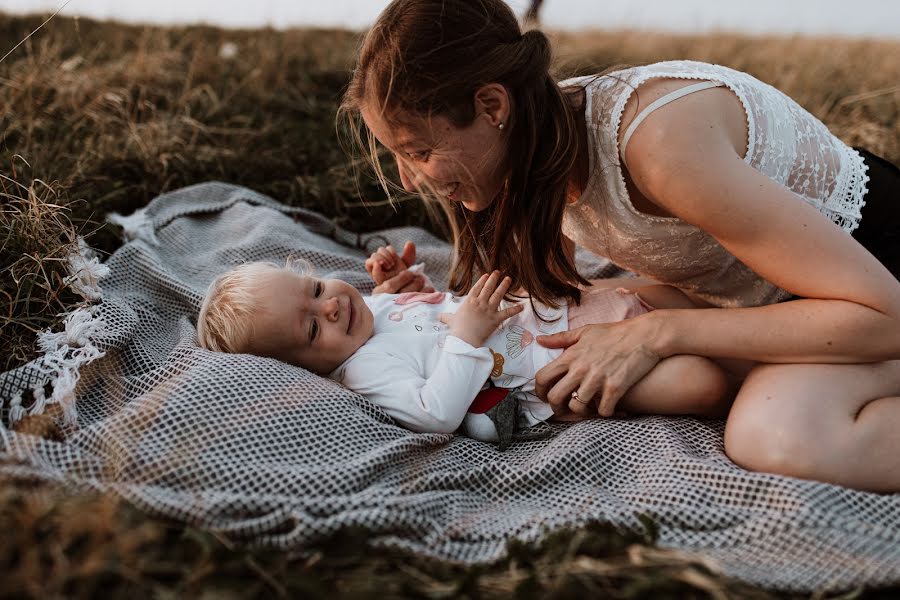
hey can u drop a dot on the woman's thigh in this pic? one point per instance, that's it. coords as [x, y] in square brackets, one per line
[820, 421]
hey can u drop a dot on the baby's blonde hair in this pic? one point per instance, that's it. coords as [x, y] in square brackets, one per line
[225, 323]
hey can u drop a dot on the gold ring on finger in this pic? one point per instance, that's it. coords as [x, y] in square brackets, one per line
[578, 399]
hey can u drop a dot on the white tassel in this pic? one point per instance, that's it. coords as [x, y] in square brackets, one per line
[16, 412]
[64, 395]
[136, 226]
[40, 401]
[67, 350]
[85, 272]
[79, 326]
[64, 354]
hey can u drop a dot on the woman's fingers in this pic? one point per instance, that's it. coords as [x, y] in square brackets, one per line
[546, 378]
[409, 253]
[612, 393]
[619, 381]
[582, 398]
[405, 281]
[560, 396]
[563, 339]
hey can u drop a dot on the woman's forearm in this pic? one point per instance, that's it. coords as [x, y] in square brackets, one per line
[801, 331]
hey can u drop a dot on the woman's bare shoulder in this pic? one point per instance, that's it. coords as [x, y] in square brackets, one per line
[718, 105]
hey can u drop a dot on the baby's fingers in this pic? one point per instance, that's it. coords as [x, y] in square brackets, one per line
[490, 285]
[479, 286]
[376, 273]
[388, 257]
[510, 311]
[500, 291]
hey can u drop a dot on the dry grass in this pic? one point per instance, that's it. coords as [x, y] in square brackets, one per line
[60, 546]
[37, 237]
[853, 86]
[115, 115]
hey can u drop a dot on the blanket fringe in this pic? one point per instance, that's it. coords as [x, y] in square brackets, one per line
[66, 351]
[137, 225]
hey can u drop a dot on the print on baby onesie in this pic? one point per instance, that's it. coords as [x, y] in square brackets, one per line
[498, 363]
[426, 297]
[517, 339]
[410, 299]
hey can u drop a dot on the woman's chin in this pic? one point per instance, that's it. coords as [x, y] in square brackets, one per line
[475, 205]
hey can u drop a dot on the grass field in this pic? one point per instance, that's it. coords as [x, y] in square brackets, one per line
[98, 117]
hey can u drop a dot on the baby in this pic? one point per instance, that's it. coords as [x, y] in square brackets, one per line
[424, 357]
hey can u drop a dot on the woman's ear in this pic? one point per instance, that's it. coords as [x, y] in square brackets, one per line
[492, 101]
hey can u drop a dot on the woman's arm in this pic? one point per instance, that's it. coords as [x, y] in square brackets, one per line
[683, 160]
[686, 165]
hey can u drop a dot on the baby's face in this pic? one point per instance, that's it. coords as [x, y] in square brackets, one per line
[312, 323]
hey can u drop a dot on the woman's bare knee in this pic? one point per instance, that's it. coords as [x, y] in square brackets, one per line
[766, 431]
[801, 420]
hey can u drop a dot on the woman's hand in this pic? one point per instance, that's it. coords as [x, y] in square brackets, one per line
[480, 314]
[390, 271]
[600, 363]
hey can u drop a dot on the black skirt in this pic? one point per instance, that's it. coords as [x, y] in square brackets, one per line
[879, 228]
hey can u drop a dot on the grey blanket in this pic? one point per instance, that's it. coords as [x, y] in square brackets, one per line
[270, 454]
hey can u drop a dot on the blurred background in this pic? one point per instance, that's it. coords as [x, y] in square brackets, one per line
[869, 18]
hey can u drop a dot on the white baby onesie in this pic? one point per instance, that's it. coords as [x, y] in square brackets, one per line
[426, 379]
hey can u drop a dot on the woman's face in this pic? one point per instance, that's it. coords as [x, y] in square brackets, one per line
[462, 164]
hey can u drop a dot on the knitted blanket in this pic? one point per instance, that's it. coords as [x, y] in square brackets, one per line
[269, 454]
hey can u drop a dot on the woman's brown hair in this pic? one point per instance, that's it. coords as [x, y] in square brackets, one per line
[429, 57]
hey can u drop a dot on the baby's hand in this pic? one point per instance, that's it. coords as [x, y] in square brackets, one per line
[392, 273]
[480, 314]
[386, 264]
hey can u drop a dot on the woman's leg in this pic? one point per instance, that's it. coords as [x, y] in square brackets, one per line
[834, 423]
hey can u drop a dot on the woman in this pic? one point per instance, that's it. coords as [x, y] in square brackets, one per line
[689, 174]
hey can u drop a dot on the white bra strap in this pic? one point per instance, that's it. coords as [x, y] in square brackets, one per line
[690, 89]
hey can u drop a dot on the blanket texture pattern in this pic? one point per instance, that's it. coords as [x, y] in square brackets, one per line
[270, 454]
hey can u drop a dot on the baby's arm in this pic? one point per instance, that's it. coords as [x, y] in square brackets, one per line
[434, 404]
[437, 401]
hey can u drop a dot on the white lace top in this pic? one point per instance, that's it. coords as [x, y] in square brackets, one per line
[785, 142]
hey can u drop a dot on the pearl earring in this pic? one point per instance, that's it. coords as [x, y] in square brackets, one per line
[500, 126]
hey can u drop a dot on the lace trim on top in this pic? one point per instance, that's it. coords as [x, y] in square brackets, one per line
[784, 142]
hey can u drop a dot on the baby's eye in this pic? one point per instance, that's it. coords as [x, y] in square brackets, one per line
[313, 331]
[318, 290]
